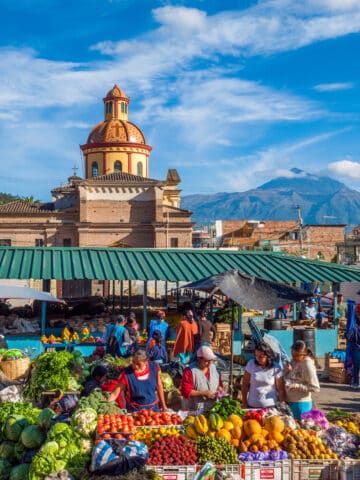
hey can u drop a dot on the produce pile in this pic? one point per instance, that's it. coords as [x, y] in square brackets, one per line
[68, 337]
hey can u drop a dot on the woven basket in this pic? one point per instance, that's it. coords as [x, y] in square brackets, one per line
[16, 369]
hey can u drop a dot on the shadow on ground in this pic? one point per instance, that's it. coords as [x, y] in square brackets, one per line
[335, 395]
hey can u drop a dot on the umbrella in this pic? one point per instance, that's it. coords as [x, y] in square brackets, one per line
[249, 292]
[13, 291]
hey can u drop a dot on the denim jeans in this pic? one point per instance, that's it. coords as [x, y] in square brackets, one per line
[356, 366]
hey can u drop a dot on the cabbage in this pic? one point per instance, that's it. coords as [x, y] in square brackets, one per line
[49, 448]
[167, 382]
[84, 421]
[20, 472]
[45, 418]
[32, 436]
[5, 468]
[7, 450]
[14, 425]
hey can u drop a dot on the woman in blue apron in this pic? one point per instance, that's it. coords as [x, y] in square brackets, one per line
[141, 383]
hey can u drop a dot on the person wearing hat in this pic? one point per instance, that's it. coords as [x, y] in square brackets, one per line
[310, 309]
[160, 324]
[201, 381]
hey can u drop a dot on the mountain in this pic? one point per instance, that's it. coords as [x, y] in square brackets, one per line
[321, 199]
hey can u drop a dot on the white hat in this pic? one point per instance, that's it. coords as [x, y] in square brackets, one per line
[206, 353]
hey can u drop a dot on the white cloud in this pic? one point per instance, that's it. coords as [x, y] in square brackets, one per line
[331, 87]
[345, 168]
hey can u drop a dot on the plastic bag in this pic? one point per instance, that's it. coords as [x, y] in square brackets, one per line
[10, 394]
[117, 457]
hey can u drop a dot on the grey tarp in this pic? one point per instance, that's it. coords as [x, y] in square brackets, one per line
[14, 291]
[249, 291]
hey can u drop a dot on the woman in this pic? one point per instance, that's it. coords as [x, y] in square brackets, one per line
[187, 332]
[262, 384]
[116, 336]
[300, 379]
[207, 330]
[201, 381]
[141, 384]
[161, 325]
[95, 380]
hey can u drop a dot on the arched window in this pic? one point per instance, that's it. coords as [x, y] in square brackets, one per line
[109, 107]
[117, 166]
[122, 107]
[139, 169]
[94, 169]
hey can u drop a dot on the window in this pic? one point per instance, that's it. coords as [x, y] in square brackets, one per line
[139, 169]
[94, 169]
[117, 166]
[5, 242]
[122, 105]
[174, 242]
[109, 107]
[67, 242]
[39, 242]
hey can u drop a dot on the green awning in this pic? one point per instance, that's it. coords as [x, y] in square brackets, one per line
[66, 263]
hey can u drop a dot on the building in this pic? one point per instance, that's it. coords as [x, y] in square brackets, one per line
[116, 204]
[348, 249]
[311, 241]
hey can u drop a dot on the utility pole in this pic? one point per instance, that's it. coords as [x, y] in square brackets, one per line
[298, 209]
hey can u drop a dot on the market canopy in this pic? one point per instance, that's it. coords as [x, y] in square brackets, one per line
[14, 291]
[249, 291]
[67, 263]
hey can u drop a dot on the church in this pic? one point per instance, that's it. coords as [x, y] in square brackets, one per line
[117, 204]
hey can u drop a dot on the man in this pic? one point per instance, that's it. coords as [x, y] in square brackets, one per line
[160, 324]
[310, 310]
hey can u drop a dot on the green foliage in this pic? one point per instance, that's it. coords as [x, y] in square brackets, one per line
[20, 472]
[32, 437]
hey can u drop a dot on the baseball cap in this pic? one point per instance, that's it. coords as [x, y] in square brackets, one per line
[206, 353]
[312, 300]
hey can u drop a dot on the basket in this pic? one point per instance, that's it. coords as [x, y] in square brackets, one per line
[315, 470]
[267, 470]
[174, 472]
[349, 469]
[17, 368]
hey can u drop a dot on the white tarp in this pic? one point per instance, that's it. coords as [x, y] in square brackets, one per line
[14, 291]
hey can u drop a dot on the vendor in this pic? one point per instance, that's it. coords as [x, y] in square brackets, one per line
[201, 381]
[160, 324]
[262, 384]
[95, 380]
[141, 383]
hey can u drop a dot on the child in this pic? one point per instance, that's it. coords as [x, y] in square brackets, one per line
[300, 379]
[157, 351]
[321, 319]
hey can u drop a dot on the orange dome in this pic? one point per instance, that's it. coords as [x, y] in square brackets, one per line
[116, 131]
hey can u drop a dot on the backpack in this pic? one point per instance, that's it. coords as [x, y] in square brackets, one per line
[112, 346]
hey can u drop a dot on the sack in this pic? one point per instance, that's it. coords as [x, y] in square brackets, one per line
[117, 457]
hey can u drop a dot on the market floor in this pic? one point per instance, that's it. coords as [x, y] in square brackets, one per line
[335, 395]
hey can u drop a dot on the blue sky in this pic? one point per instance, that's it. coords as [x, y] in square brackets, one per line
[230, 93]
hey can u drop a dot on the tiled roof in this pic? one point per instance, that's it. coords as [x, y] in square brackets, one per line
[20, 206]
[120, 177]
[116, 92]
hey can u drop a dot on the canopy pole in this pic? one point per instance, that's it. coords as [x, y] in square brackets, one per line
[43, 317]
[231, 375]
[145, 305]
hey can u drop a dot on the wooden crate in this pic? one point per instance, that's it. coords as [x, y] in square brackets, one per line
[339, 375]
[331, 362]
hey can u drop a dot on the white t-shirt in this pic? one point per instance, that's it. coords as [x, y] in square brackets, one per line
[262, 390]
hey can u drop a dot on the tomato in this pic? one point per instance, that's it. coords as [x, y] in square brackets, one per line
[119, 436]
[101, 430]
[107, 435]
[125, 429]
[106, 427]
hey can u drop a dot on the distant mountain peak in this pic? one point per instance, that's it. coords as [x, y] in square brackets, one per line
[320, 197]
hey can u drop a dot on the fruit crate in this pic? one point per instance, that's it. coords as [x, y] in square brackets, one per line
[174, 472]
[315, 470]
[339, 375]
[349, 470]
[266, 470]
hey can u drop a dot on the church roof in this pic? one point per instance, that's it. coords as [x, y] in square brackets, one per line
[120, 177]
[116, 131]
[115, 92]
[21, 206]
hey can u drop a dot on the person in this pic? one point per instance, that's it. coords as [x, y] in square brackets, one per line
[160, 324]
[353, 337]
[300, 379]
[207, 330]
[200, 381]
[131, 337]
[321, 318]
[157, 351]
[309, 311]
[282, 312]
[187, 331]
[341, 307]
[95, 380]
[262, 384]
[115, 336]
[141, 384]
